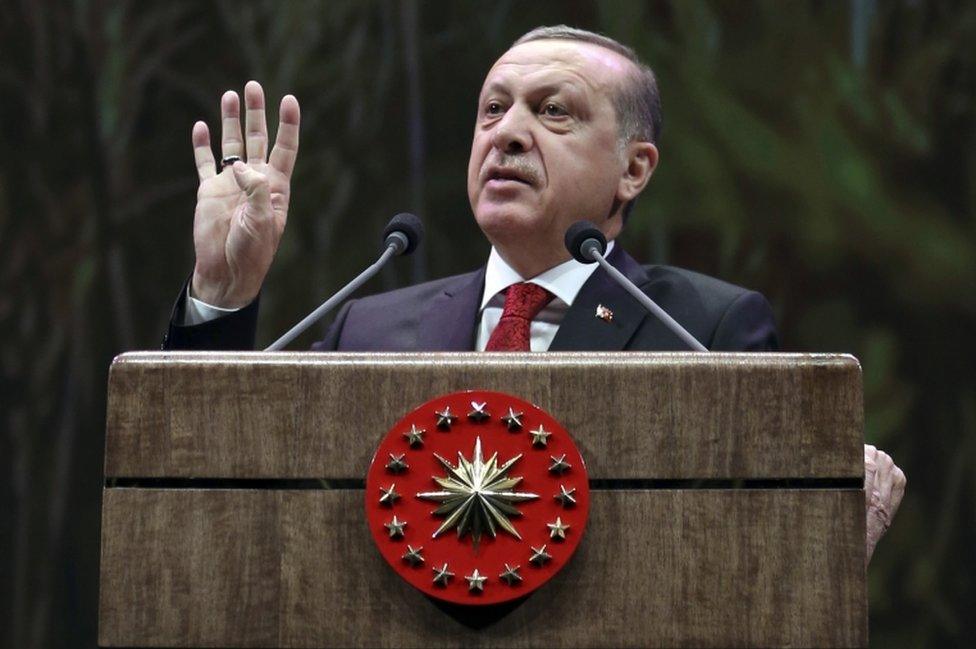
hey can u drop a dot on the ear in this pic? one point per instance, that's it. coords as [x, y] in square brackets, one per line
[641, 161]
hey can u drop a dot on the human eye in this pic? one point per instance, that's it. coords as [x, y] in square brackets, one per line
[494, 107]
[551, 109]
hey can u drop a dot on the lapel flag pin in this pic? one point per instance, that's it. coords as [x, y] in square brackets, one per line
[604, 313]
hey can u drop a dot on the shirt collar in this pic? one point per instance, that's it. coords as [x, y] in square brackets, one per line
[564, 281]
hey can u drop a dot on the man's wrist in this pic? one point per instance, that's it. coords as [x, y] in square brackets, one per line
[197, 311]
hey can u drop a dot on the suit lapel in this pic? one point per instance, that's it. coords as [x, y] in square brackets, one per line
[582, 330]
[448, 323]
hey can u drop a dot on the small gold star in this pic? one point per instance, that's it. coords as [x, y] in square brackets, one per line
[415, 436]
[559, 464]
[539, 556]
[442, 575]
[540, 437]
[557, 530]
[398, 465]
[513, 420]
[389, 495]
[566, 498]
[476, 581]
[413, 556]
[444, 418]
[478, 413]
[511, 575]
[395, 527]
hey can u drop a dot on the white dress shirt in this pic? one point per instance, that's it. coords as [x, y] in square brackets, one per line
[564, 281]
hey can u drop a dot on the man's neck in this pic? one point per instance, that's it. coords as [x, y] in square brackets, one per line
[531, 264]
[530, 255]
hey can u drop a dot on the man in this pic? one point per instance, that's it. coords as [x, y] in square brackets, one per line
[566, 130]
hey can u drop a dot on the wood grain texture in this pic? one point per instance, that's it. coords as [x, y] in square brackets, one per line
[633, 415]
[243, 568]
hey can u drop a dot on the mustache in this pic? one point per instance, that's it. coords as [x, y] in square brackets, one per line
[519, 164]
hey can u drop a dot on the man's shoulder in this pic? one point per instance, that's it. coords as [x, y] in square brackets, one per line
[721, 314]
[724, 316]
[415, 294]
[413, 318]
[711, 291]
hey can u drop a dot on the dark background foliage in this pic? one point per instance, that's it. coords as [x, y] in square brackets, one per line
[821, 152]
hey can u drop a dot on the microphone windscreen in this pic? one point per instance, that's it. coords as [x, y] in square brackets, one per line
[580, 232]
[410, 226]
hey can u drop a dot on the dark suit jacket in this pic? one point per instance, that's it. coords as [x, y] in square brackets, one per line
[442, 315]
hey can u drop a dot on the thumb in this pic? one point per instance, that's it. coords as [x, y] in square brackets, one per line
[254, 184]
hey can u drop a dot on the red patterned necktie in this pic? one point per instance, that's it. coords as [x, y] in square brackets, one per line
[523, 302]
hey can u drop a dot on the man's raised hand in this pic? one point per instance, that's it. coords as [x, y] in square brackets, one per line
[884, 487]
[241, 209]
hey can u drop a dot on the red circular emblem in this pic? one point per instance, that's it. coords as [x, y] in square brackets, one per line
[477, 497]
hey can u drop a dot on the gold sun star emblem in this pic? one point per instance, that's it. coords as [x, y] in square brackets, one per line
[477, 496]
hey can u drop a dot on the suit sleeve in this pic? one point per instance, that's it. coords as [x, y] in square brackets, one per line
[748, 325]
[233, 332]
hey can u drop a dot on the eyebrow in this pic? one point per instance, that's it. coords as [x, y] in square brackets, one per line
[548, 89]
[494, 86]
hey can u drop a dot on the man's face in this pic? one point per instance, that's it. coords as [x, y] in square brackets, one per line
[545, 150]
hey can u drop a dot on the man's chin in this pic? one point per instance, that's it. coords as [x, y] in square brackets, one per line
[507, 222]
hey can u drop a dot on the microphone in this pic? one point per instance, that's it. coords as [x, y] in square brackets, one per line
[401, 236]
[587, 244]
[404, 231]
[583, 239]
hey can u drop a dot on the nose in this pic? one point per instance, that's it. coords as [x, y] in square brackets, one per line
[513, 133]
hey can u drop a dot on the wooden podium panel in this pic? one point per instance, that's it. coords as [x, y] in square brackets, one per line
[726, 505]
[682, 567]
[633, 415]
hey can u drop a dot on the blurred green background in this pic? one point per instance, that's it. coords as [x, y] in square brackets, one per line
[821, 152]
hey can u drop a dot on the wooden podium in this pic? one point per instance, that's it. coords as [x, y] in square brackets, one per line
[727, 504]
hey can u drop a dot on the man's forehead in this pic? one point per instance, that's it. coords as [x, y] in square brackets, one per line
[596, 66]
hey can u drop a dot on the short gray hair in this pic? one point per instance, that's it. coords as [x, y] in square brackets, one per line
[637, 102]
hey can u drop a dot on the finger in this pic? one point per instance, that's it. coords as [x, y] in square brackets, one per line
[231, 142]
[870, 469]
[202, 153]
[286, 143]
[874, 530]
[255, 185]
[884, 478]
[897, 489]
[255, 125]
